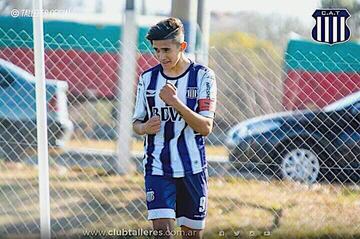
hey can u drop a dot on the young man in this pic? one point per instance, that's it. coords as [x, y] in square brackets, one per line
[175, 107]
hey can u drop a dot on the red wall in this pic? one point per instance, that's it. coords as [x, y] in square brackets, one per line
[84, 71]
[314, 89]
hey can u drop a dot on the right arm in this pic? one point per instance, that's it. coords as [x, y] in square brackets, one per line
[138, 127]
[152, 126]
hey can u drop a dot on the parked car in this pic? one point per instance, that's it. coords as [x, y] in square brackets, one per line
[303, 146]
[18, 112]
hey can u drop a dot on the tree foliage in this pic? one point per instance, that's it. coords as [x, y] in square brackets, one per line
[248, 70]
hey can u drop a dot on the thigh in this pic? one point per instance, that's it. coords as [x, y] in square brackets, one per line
[191, 200]
[160, 197]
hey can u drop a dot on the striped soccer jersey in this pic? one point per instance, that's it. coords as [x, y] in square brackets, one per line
[176, 150]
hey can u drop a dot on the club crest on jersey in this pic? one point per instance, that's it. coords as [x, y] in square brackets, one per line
[330, 27]
[150, 196]
[166, 113]
[191, 92]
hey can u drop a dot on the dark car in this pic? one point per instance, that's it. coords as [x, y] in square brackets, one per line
[303, 146]
[18, 112]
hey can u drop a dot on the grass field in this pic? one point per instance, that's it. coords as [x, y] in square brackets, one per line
[137, 146]
[248, 208]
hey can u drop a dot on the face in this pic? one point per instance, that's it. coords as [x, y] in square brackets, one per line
[168, 52]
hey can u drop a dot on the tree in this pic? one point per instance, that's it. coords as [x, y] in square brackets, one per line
[274, 27]
[351, 5]
[249, 75]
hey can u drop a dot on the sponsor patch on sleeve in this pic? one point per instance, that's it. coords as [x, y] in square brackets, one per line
[206, 105]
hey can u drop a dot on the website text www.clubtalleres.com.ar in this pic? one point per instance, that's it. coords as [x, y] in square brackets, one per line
[140, 232]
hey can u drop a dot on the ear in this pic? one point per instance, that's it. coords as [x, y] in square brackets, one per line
[183, 46]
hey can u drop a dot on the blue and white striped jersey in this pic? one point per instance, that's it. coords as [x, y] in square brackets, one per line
[176, 149]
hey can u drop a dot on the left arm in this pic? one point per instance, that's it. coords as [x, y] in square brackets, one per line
[197, 122]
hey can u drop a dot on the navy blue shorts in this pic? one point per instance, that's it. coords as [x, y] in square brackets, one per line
[182, 198]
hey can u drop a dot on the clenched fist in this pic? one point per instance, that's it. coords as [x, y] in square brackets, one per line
[168, 94]
[152, 126]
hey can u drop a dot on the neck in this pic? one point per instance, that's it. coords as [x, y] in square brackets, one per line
[179, 68]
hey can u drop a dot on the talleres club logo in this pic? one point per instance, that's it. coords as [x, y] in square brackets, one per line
[331, 26]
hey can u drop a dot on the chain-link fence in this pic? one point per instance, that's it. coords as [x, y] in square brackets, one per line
[272, 172]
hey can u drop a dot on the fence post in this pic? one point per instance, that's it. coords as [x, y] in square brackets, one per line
[186, 11]
[41, 119]
[126, 84]
[203, 20]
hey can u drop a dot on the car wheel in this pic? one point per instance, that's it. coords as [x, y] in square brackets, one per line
[235, 158]
[300, 164]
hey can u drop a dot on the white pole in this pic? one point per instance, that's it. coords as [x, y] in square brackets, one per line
[203, 17]
[41, 120]
[127, 87]
[186, 10]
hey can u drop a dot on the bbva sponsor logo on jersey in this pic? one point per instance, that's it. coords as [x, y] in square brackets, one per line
[166, 113]
[331, 26]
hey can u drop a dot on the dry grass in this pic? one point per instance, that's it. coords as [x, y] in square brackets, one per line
[88, 201]
[137, 146]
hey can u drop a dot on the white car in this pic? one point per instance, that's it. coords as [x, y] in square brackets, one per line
[18, 112]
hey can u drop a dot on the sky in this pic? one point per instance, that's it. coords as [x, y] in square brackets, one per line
[298, 8]
[303, 9]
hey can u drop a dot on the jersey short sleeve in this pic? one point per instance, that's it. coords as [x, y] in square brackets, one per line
[140, 104]
[207, 95]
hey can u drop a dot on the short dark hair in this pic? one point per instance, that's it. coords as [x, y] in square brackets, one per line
[171, 28]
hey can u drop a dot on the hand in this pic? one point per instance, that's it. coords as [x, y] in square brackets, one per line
[152, 126]
[168, 94]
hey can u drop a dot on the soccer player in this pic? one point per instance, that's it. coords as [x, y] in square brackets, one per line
[175, 107]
